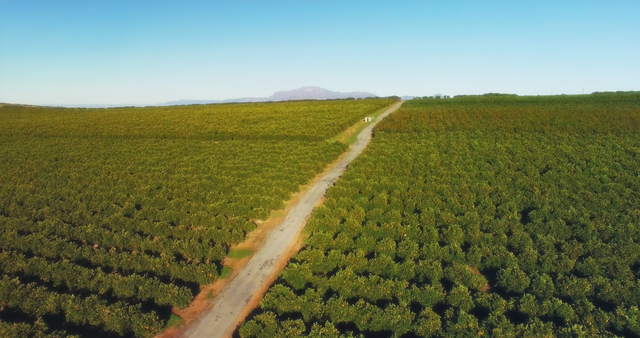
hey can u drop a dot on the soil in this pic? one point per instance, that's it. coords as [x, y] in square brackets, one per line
[475, 271]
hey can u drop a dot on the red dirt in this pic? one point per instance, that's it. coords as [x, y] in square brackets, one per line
[475, 271]
[257, 297]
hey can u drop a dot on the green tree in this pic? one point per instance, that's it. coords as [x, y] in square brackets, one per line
[512, 279]
[428, 323]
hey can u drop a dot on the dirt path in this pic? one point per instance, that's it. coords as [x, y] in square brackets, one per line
[244, 292]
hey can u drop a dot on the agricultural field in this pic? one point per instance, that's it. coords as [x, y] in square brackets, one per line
[112, 217]
[302, 120]
[498, 216]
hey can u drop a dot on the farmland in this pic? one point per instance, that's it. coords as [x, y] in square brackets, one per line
[112, 217]
[501, 216]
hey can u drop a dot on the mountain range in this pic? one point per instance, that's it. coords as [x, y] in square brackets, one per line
[304, 93]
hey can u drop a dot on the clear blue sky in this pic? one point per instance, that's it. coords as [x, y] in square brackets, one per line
[144, 52]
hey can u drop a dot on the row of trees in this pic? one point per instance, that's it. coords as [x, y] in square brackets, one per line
[78, 278]
[467, 233]
[118, 317]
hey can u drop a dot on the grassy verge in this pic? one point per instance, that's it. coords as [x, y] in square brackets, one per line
[226, 272]
[174, 321]
[240, 253]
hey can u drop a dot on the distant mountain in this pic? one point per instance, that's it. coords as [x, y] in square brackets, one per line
[315, 93]
[187, 102]
[304, 93]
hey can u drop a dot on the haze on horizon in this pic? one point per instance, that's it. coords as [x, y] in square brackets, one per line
[144, 52]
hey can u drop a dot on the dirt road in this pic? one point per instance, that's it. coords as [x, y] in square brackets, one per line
[222, 318]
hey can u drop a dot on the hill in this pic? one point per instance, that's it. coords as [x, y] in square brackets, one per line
[304, 93]
[315, 93]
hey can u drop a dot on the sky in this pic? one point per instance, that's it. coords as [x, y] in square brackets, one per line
[146, 52]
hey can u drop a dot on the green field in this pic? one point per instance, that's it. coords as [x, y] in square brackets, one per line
[498, 216]
[296, 120]
[112, 217]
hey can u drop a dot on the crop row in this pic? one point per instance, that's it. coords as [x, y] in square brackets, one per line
[80, 279]
[92, 311]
